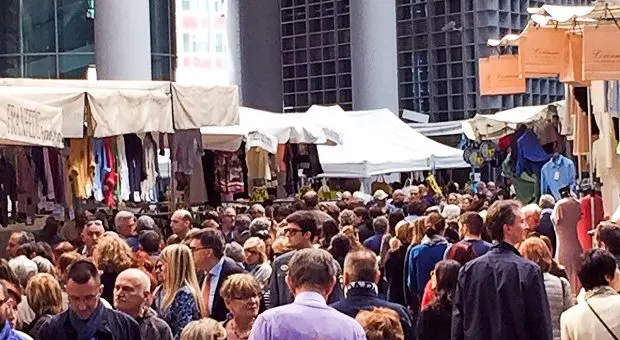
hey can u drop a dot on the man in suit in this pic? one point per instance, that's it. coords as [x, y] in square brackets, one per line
[214, 268]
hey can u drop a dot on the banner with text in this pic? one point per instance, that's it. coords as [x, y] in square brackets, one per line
[24, 122]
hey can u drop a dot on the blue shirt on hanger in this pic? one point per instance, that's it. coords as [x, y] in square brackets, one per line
[557, 173]
[530, 155]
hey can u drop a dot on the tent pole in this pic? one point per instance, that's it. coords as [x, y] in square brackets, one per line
[590, 163]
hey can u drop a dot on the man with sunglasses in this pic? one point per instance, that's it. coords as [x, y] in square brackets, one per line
[301, 230]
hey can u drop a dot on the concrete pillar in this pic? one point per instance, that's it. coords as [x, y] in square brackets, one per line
[254, 38]
[123, 39]
[374, 55]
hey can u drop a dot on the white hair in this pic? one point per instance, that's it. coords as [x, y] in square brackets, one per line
[451, 212]
[122, 216]
[136, 273]
[546, 201]
[24, 269]
[43, 265]
[259, 208]
[530, 209]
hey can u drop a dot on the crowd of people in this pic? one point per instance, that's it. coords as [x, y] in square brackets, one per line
[409, 265]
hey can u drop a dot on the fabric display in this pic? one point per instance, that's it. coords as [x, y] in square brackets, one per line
[530, 154]
[606, 163]
[258, 163]
[559, 172]
[229, 174]
[526, 186]
[585, 221]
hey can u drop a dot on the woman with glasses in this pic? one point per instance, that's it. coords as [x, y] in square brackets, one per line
[241, 293]
[257, 263]
[182, 302]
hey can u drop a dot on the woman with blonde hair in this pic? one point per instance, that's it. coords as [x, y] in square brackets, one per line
[256, 261]
[45, 299]
[241, 294]
[182, 302]
[395, 262]
[352, 235]
[558, 289]
[112, 255]
[419, 230]
[205, 329]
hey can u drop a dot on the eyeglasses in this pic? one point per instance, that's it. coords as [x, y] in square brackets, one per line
[250, 251]
[197, 249]
[249, 297]
[292, 231]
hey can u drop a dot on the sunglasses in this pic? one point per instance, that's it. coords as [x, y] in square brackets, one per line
[291, 231]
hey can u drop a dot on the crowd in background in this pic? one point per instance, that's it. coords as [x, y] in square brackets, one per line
[410, 265]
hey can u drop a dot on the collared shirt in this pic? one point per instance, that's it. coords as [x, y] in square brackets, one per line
[214, 273]
[7, 332]
[556, 174]
[304, 319]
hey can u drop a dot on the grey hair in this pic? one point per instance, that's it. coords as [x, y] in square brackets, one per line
[312, 268]
[234, 251]
[24, 269]
[380, 224]
[546, 201]
[242, 222]
[145, 222]
[122, 216]
[261, 223]
[25, 237]
[530, 209]
[136, 273]
[43, 265]
[259, 208]
[346, 217]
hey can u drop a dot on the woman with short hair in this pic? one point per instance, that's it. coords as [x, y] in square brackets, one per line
[205, 329]
[381, 324]
[111, 256]
[45, 299]
[257, 263]
[558, 289]
[241, 294]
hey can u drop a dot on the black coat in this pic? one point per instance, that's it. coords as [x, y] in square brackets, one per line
[114, 326]
[365, 299]
[394, 274]
[545, 227]
[434, 323]
[229, 267]
[501, 295]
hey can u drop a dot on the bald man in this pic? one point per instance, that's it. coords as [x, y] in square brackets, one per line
[132, 295]
[181, 223]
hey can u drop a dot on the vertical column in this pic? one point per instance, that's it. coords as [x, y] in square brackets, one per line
[123, 39]
[374, 55]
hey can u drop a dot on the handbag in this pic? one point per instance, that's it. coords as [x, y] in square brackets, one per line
[603, 322]
[380, 184]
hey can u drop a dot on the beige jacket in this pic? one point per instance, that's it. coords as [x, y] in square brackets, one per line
[580, 323]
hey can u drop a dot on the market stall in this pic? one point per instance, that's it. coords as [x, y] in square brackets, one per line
[378, 142]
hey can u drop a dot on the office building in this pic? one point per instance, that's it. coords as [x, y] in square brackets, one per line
[55, 39]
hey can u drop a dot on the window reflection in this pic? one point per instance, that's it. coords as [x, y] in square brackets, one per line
[38, 26]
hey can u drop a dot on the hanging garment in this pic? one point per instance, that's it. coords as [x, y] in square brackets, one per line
[526, 186]
[556, 174]
[197, 193]
[101, 168]
[531, 157]
[81, 166]
[133, 151]
[257, 161]
[111, 177]
[8, 189]
[565, 216]
[39, 167]
[585, 222]
[149, 184]
[27, 198]
[49, 179]
[607, 168]
[187, 145]
[57, 169]
[229, 173]
[581, 145]
[123, 169]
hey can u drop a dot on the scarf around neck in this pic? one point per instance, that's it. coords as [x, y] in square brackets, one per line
[362, 285]
[87, 329]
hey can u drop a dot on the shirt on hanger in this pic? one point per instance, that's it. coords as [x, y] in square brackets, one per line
[123, 170]
[133, 151]
[101, 168]
[81, 166]
[257, 161]
[148, 185]
[555, 174]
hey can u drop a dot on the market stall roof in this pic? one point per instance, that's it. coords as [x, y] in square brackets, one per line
[267, 130]
[565, 17]
[454, 127]
[494, 126]
[378, 142]
[28, 123]
[121, 107]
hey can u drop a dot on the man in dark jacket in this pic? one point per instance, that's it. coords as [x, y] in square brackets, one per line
[132, 293]
[208, 249]
[545, 226]
[501, 295]
[300, 231]
[86, 317]
[361, 274]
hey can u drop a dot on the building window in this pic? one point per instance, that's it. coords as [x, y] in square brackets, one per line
[219, 42]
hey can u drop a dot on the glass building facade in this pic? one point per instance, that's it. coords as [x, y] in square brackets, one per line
[55, 39]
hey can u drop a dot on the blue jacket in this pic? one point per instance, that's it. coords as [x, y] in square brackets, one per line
[420, 262]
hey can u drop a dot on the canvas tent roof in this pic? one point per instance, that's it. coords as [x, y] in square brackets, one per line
[121, 107]
[378, 142]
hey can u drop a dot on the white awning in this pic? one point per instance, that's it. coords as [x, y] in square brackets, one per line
[494, 126]
[454, 127]
[122, 107]
[24, 122]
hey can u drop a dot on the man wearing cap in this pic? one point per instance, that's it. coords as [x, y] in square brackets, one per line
[380, 198]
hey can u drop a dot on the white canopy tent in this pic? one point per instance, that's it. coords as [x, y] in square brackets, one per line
[121, 107]
[494, 126]
[23, 122]
[267, 130]
[378, 142]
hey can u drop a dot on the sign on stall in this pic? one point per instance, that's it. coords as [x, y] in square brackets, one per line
[601, 53]
[542, 52]
[24, 122]
[500, 75]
